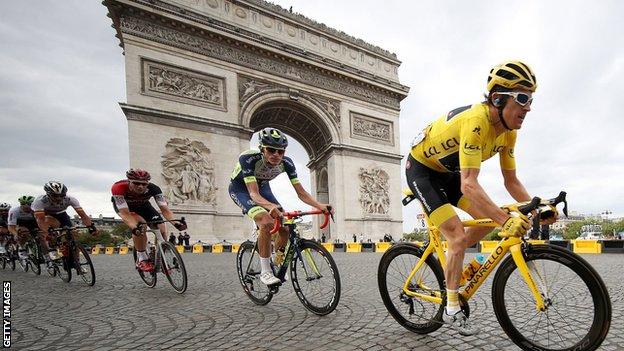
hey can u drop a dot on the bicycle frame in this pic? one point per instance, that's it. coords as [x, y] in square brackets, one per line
[512, 244]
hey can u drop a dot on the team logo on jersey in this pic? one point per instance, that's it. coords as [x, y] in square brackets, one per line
[471, 149]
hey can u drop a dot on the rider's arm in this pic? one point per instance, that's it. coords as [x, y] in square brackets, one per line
[86, 220]
[127, 218]
[41, 222]
[254, 193]
[514, 186]
[13, 229]
[471, 188]
[307, 198]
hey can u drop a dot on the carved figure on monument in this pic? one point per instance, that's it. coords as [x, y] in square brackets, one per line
[170, 82]
[188, 173]
[374, 190]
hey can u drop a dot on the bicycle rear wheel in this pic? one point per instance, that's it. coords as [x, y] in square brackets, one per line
[315, 278]
[413, 314]
[248, 267]
[84, 266]
[149, 278]
[578, 306]
[173, 267]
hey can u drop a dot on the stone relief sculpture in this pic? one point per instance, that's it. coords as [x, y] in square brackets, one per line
[188, 173]
[165, 80]
[374, 191]
[367, 127]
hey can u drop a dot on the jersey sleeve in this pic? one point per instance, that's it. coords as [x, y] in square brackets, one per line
[291, 171]
[471, 143]
[73, 202]
[158, 195]
[507, 159]
[118, 196]
[248, 163]
[37, 205]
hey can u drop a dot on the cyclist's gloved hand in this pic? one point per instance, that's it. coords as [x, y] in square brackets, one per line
[92, 229]
[179, 225]
[515, 226]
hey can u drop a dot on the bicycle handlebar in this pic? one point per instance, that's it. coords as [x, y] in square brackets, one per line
[181, 220]
[537, 202]
[297, 214]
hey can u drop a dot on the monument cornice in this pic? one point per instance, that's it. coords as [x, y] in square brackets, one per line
[359, 152]
[178, 120]
[231, 31]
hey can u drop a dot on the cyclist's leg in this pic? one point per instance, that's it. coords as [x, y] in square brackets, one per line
[280, 242]
[65, 222]
[437, 191]
[473, 234]
[49, 243]
[264, 222]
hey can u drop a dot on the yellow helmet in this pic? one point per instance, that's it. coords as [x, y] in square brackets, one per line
[512, 74]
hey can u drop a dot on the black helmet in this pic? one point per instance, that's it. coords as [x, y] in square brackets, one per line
[271, 137]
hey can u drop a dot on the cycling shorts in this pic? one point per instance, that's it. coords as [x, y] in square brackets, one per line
[240, 196]
[438, 192]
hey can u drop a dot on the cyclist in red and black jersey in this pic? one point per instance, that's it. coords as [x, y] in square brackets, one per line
[131, 201]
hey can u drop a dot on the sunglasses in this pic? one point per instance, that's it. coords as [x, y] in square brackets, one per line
[139, 183]
[521, 98]
[273, 150]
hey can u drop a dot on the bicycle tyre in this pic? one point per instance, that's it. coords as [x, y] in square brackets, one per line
[249, 274]
[84, 261]
[3, 262]
[12, 255]
[403, 311]
[33, 257]
[327, 304]
[173, 267]
[149, 278]
[576, 270]
[63, 269]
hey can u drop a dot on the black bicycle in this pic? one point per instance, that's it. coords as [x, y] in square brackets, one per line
[166, 260]
[9, 254]
[313, 272]
[35, 253]
[72, 256]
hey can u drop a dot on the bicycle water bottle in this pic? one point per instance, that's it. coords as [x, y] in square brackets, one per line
[473, 267]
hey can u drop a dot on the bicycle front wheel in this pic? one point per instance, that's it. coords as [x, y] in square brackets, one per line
[84, 266]
[315, 278]
[11, 255]
[173, 267]
[248, 267]
[63, 269]
[578, 307]
[413, 314]
[33, 257]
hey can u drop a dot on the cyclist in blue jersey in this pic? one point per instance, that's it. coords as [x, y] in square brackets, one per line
[250, 190]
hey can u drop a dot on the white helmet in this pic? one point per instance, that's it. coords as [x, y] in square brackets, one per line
[5, 206]
[55, 188]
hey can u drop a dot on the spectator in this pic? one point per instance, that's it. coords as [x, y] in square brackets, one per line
[323, 238]
[187, 237]
[354, 238]
[172, 239]
[180, 239]
[361, 238]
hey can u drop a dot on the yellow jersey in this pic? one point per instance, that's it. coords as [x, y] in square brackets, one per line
[463, 138]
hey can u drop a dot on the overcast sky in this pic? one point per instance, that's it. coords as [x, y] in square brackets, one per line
[62, 76]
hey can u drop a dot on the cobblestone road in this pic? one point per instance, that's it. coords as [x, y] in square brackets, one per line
[121, 313]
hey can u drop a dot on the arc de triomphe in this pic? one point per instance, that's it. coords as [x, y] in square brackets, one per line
[203, 75]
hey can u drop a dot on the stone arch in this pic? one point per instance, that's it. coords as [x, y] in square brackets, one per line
[315, 129]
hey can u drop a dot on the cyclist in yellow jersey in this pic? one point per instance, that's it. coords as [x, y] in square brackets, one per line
[443, 166]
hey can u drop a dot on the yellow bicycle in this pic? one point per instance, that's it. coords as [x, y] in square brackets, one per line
[545, 297]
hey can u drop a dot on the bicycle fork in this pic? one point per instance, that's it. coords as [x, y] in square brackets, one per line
[527, 270]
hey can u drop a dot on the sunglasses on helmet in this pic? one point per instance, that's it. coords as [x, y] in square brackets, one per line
[521, 98]
[274, 150]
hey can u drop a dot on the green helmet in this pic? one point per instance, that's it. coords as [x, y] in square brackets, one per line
[26, 200]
